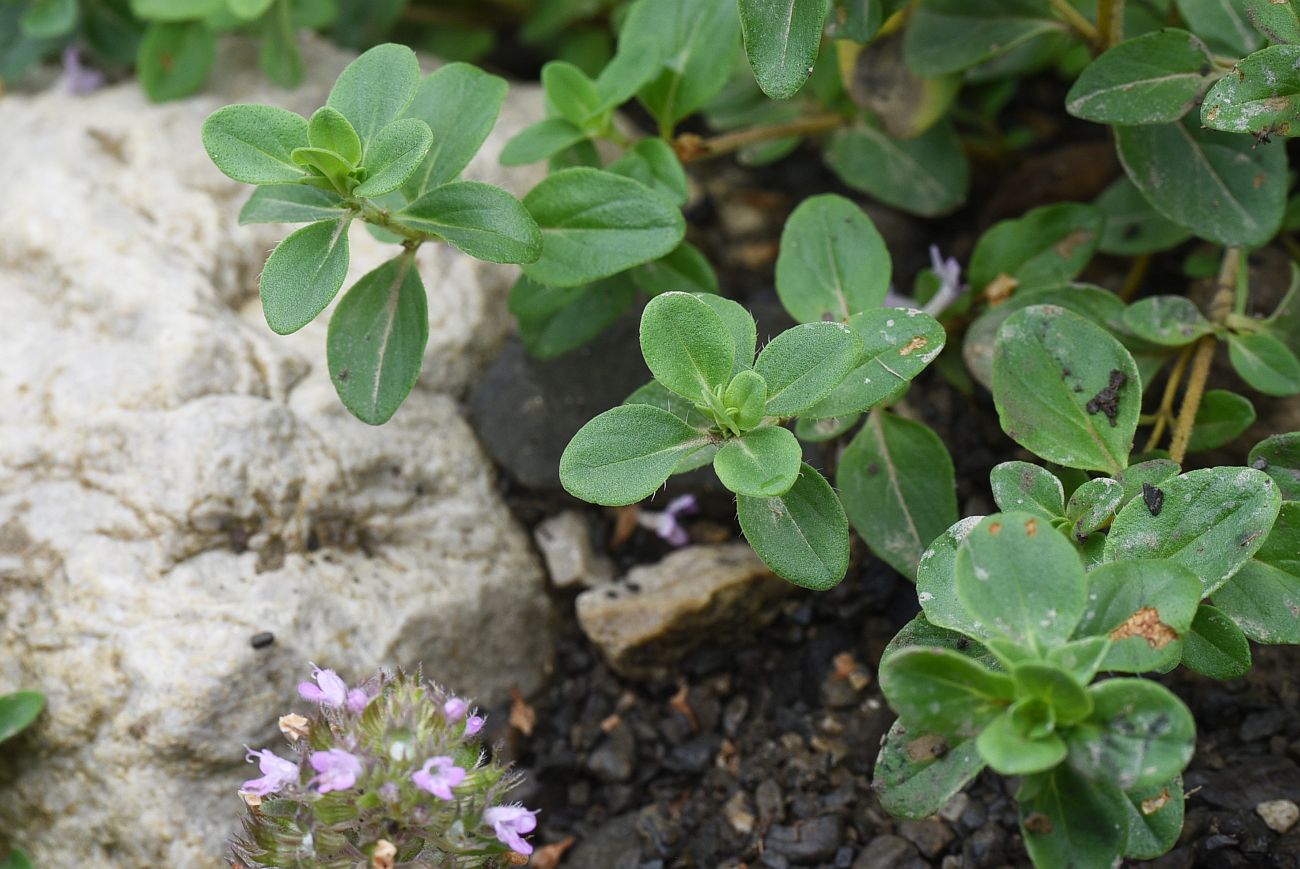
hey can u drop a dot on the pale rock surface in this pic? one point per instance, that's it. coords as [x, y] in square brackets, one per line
[572, 562]
[662, 611]
[174, 478]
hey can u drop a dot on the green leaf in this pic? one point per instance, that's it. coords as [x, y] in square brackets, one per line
[540, 141]
[763, 463]
[816, 431]
[744, 332]
[1056, 688]
[1065, 389]
[1263, 599]
[782, 39]
[1068, 820]
[687, 346]
[460, 103]
[484, 221]
[174, 59]
[1139, 735]
[393, 156]
[1224, 24]
[745, 400]
[376, 340]
[18, 710]
[249, 9]
[1171, 321]
[329, 130]
[1093, 505]
[1221, 418]
[1216, 647]
[291, 203]
[1021, 579]
[1261, 95]
[278, 53]
[304, 274]
[1212, 521]
[943, 692]
[327, 165]
[1145, 608]
[916, 774]
[1155, 819]
[174, 10]
[255, 144]
[625, 454]
[920, 633]
[555, 320]
[695, 41]
[1028, 488]
[833, 262]
[570, 93]
[803, 535]
[654, 163]
[900, 343]
[898, 486]
[1155, 78]
[1265, 363]
[1081, 658]
[946, 36]
[1046, 247]
[1225, 188]
[926, 176]
[16, 860]
[684, 268]
[375, 89]
[1009, 752]
[1132, 226]
[632, 67]
[45, 19]
[1280, 22]
[803, 364]
[1279, 457]
[936, 582]
[595, 224]
[1153, 472]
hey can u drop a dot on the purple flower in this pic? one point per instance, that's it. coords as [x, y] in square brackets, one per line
[666, 524]
[329, 689]
[948, 271]
[438, 776]
[276, 772]
[474, 724]
[357, 700]
[508, 822]
[78, 78]
[455, 709]
[338, 770]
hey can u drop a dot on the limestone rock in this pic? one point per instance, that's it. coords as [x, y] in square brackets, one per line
[175, 479]
[571, 560]
[662, 611]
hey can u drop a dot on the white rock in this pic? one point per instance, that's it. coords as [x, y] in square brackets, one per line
[1279, 815]
[571, 561]
[174, 478]
[664, 610]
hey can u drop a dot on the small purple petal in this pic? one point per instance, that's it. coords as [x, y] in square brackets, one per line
[77, 77]
[338, 770]
[683, 505]
[276, 773]
[474, 724]
[509, 822]
[455, 709]
[357, 700]
[438, 776]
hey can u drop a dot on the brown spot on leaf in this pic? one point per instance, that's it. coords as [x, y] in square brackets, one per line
[1031, 527]
[917, 343]
[924, 749]
[995, 529]
[1037, 822]
[1000, 289]
[1065, 247]
[1145, 623]
[1259, 180]
[1107, 400]
[1156, 803]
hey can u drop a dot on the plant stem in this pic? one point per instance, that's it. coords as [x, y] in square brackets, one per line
[1110, 23]
[691, 148]
[1203, 354]
[1166, 410]
[1075, 19]
[371, 213]
[1136, 274]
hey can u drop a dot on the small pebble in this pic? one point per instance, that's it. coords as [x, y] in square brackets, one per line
[1279, 815]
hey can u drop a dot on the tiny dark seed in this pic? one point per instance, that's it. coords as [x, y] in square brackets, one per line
[262, 640]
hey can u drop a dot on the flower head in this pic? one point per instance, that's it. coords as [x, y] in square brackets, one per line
[276, 773]
[329, 689]
[79, 78]
[509, 823]
[438, 776]
[455, 708]
[473, 724]
[357, 700]
[666, 524]
[338, 770]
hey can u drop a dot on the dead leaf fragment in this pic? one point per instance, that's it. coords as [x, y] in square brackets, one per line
[1145, 623]
[522, 716]
[548, 856]
[385, 856]
[680, 703]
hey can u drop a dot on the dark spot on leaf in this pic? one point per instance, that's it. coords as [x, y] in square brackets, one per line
[1107, 401]
[1037, 822]
[1131, 231]
[925, 749]
[873, 469]
[1260, 464]
[1249, 538]
[1153, 497]
[343, 375]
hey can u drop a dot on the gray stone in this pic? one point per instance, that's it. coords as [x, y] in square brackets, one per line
[931, 836]
[664, 610]
[889, 852]
[571, 560]
[175, 479]
[810, 841]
